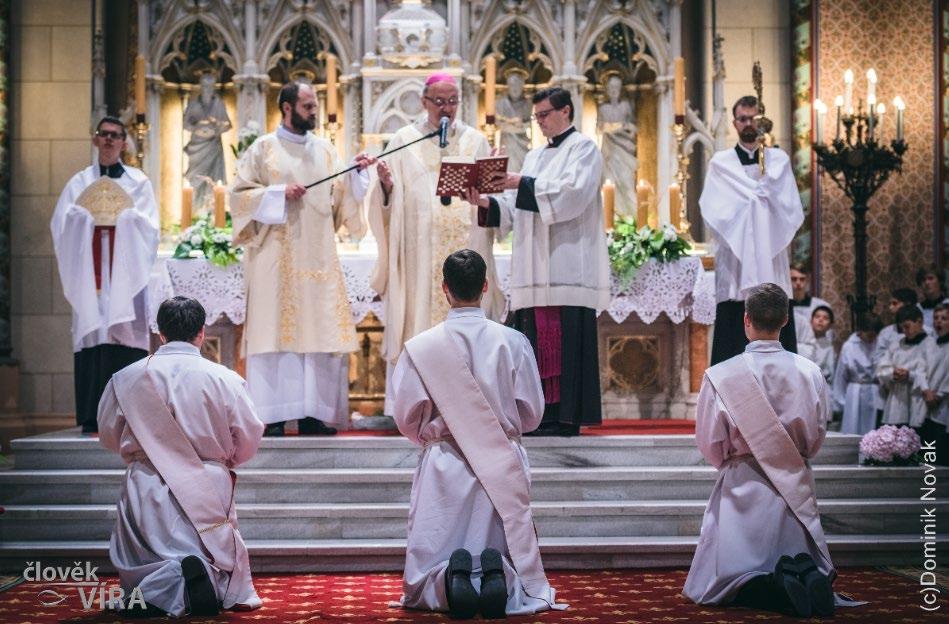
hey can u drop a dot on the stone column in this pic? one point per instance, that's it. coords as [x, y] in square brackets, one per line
[251, 85]
[8, 370]
[569, 78]
[454, 32]
[665, 145]
[357, 26]
[99, 107]
[369, 32]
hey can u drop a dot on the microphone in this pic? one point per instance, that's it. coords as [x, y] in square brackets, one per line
[446, 200]
[443, 132]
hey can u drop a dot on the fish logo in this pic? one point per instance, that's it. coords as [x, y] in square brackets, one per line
[50, 598]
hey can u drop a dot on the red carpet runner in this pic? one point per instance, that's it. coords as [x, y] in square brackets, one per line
[610, 597]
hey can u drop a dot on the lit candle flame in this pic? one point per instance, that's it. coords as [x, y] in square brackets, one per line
[899, 103]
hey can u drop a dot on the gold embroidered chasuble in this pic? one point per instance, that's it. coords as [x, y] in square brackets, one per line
[296, 295]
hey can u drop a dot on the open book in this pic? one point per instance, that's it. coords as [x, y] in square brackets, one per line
[458, 173]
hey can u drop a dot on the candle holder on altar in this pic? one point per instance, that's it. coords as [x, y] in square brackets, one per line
[332, 127]
[141, 132]
[859, 164]
[680, 130]
[489, 128]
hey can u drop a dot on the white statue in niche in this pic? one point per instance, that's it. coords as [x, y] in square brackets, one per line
[513, 118]
[206, 119]
[615, 122]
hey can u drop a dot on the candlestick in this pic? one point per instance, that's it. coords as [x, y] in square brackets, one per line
[838, 103]
[331, 97]
[820, 109]
[848, 92]
[871, 84]
[642, 202]
[881, 110]
[675, 205]
[140, 85]
[220, 220]
[679, 87]
[900, 105]
[871, 117]
[609, 202]
[187, 196]
[490, 80]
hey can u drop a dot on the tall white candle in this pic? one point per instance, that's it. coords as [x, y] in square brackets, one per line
[871, 84]
[848, 92]
[820, 109]
[838, 104]
[881, 110]
[900, 106]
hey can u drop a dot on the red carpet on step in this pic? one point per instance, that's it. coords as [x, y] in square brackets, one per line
[608, 597]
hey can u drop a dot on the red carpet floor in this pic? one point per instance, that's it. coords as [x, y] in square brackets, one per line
[610, 597]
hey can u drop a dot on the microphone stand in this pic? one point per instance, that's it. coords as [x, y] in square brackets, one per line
[391, 151]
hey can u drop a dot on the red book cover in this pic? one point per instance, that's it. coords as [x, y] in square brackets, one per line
[458, 173]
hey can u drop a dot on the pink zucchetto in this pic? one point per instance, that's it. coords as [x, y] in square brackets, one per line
[439, 77]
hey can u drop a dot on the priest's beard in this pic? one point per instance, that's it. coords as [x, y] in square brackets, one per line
[300, 123]
[749, 135]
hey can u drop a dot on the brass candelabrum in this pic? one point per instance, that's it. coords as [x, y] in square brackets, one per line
[141, 133]
[680, 130]
[490, 129]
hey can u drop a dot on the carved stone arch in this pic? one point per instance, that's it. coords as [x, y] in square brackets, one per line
[325, 20]
[651, 30]
[543, 27]
[389, 104]
[173, 25]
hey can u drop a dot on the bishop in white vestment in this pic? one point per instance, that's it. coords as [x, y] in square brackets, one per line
[299, 330]
[182, 424]
[105, 236]
[758, 414]
[753, 219]
[465, 391]
[415, 229]
[560, 271]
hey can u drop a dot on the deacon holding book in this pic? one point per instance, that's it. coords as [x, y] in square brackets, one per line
[105, 235]
[761, 415]
[466, 390]
[560, 271]
[415, 228]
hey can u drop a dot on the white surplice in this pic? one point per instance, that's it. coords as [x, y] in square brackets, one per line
[116, 314]
[747, 525]
[821, 352]
[940, 383]
[752, 219]
[559, 255]
[855, 388]
[802, 318]
[904, 403]
[152, 534]
[299, 331]
[449, 507]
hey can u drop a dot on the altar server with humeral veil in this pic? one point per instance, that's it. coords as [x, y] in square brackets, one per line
[905, 370]
[299, 331]
[560, 270]
[465, 391]
[753, 219]
[855, 389]
[182, 424]
[105, 235]
[760, 416]
[415, 230]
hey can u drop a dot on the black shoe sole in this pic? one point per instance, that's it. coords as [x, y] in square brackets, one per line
[493, 600]
[462, 597]
[202, 599]
[794, 592]
[819, 591]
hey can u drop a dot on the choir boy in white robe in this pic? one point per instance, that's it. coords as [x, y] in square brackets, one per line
[465, 391]
[855, 388]
[817, 344]
[891, 333]
[936, 427]
[905, 370]
[299, 330]
[929, 282]
[105, 249]
[560, 270]
[760, 416]
[416, 229]
[182, 424]
[803, 302]
[753, 219]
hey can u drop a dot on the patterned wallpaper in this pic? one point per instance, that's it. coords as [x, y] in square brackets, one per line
[895, 37]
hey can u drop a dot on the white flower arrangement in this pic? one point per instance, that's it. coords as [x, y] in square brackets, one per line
[890, 445]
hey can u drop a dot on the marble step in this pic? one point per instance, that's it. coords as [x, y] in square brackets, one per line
[70, 487]
[388, 520]
[68, 449]
[381, 555]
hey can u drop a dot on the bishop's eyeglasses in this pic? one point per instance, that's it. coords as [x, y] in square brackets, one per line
[442, 102]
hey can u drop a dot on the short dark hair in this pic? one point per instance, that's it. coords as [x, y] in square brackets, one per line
[908, 313]
[869, 322]
[745, 101]
[558, 96]
[905, 295]
[823, 308]
[941, 307]
[800, 267]
[180, 319]
[289, 93]
[767, 307]
[464, 272]
[109, 119]
[929, 269]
